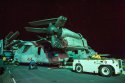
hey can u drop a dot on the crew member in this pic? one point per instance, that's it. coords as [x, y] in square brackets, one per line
[32, 64]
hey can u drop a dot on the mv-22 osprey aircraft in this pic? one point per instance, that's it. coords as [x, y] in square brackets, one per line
[59, 44]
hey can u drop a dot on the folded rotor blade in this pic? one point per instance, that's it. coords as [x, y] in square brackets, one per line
[13, 36]
[12, 44]
[43, 22]
[9, 35]
[40, 40]
[36, 30]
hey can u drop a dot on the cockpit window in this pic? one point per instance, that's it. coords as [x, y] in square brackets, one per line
[39, 49]
[26, 47]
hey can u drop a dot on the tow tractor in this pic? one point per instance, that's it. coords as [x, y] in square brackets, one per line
[104, 67]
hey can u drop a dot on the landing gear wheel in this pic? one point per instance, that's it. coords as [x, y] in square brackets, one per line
[106, 71]
[79, 68]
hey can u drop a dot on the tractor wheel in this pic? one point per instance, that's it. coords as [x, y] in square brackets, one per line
[106, 71]
[79, 68]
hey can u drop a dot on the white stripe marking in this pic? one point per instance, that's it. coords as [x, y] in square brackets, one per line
[9, 72]
[12, 78]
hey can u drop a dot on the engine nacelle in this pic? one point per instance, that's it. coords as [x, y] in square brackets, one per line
[73, 43]
[68, 33]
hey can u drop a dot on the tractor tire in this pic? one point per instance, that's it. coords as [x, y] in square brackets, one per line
[79, 68]
[106, 71]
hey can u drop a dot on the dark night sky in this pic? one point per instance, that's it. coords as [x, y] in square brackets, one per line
[101, 22]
